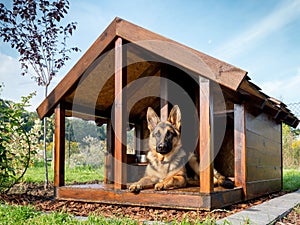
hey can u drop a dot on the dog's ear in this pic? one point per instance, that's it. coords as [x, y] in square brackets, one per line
[152, 119]
[175, 117]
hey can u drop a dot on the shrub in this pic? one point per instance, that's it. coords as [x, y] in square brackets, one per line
[16, 144]
[290, 148]
[91, 152]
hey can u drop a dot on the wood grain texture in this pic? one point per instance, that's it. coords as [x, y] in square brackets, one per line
[182, 55]
[185, 198]
[264, 157]
[206, 136]
[102, 42]
[263, 172]
[240, 174]
[59, 154]
[109, 156]
[265, 126]
[262, 187]
[153, 47]
[120, 173]
[164, 111]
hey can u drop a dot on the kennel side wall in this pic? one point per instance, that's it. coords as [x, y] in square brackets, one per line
[263, 155]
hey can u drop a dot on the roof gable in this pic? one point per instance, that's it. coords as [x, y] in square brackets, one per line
[228, 76]
[193, 60]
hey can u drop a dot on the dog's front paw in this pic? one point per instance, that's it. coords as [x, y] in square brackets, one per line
[135, 188]
[159, 186]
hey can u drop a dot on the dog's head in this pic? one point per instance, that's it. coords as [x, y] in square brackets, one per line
[164, 136]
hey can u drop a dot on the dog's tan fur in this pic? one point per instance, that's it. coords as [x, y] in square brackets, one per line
[168, 170]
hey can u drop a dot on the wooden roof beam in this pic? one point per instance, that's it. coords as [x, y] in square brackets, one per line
[85, 111]
[46, 108]
[182, 55]
[295, 123]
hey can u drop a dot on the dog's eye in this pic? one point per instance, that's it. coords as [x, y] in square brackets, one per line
[169, 134]
[157, 134]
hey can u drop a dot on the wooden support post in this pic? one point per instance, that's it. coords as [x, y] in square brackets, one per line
[137, 139]
[240, 147]
[281, 155]
[197, 106]
[163, 94]
[109, 160]
[206, 144]
[120, 173]
[59, 155]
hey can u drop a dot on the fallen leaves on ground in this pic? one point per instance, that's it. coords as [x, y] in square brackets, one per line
[34, 194]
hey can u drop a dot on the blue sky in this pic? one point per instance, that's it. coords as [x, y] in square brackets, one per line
[261, 37]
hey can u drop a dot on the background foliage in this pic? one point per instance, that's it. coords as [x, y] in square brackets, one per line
[290, 147]
[18, 141]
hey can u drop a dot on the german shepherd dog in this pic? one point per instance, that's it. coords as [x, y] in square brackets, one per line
[167, 160]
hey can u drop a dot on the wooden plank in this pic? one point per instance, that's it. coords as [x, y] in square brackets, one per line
[59, 148]
[263, 172]
[260, 157]
[135, 171]
[138, 140]
[102, 42]
[95, 88]
[258, 142]
[221, 199]
[185, 198]
[281, 163]
[262, 151]
[264, 126]
[206, 146]
[164, 94]
[144, 198]
[262, 187]
[120, 175]
[109, 160]
[182, 55]
[263, 148]
[240, 173]
[262, 101]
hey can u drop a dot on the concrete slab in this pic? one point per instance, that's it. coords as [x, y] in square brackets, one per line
[265, 213]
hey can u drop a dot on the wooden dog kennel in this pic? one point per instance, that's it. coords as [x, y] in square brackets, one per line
[251, 151]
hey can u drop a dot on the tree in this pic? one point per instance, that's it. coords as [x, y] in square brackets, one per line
[33, 28]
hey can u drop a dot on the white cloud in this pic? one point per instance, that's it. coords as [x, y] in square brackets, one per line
[282, 15]
[286, 90]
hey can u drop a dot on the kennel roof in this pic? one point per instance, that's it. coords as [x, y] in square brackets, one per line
[80, 89]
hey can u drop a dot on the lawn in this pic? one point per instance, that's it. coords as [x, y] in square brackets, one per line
[22, 215]
[79, 174]
[291, 180]
[28, 215]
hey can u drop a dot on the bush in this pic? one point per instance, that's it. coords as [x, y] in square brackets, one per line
[91, 152]
[16, 144]
[290, 148]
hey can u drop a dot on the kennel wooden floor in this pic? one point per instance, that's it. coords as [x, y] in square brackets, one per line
[183, 198]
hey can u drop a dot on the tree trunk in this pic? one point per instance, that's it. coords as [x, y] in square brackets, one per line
[45, 147]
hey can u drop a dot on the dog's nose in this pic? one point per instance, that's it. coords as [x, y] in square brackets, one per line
[160, 146]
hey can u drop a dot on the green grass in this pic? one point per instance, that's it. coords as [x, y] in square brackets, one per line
[22, 215]
[79, 174]
[291, 180]
[27, 215]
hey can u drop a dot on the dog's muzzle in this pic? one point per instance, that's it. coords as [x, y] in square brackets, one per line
[164, 148]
